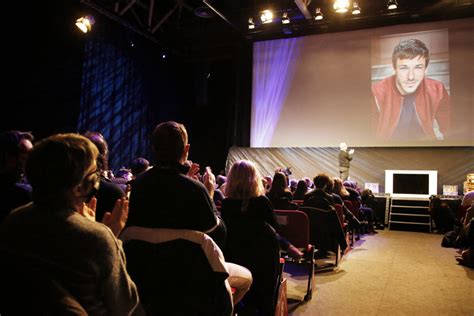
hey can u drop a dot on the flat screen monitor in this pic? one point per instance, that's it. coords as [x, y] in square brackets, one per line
[411, 183]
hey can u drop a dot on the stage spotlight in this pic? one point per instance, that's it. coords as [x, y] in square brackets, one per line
[85, 23]
[285, 19]
[392, 4]
[355, 8]
[319, 15]
[341, 6]
[266, 16]
[251, 24]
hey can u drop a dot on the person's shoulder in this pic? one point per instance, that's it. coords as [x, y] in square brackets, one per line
[190, 183]
[433, 85]
[95, 232]
[18, 214]
[433, 82]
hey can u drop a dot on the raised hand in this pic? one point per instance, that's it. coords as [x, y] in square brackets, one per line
[209, 181]
[351, 151]
[118, 218]
[193, 170]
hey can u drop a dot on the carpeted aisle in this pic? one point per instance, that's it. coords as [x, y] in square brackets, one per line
[391, 273]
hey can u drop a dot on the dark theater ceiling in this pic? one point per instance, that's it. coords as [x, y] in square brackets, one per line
[182, 24]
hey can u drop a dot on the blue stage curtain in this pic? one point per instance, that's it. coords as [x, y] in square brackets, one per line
[114, 103]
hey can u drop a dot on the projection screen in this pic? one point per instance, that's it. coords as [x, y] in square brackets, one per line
[374, 87]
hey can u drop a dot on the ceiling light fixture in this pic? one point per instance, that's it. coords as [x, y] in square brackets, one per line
[392, 4]
[251, 24]
[285, 19]
[341, 6]
[355, 8]
[266, 16]
[319, 15]
[85, 23]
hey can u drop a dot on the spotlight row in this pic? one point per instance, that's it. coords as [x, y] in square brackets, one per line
[340, 6]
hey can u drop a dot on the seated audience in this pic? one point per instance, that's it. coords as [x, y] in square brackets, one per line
[14, 189]
[267, 183]
[122, 179]
[318, 197]
[368, 205]
[245, 207]
[336, 189]
[139, 166]
[54, 247]
[109, 192]
[168, 196]
[279, 194]
[443, 216]
[293, 185]
[301, 190]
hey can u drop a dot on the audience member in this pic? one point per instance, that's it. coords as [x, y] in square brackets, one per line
[14, 189]
[167, 196]
[245, 197]
[245, 208]
[293, 185]
[267, 183]
[324, 202]
[279, 194]
[309, 183]
[139, 166]
[368, 205]
[109, 192]
[318, 197]
[52, 241]
[443, 216]
[122, 179]
[301, 190]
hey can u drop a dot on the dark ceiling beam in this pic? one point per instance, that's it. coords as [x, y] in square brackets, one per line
[221, 15]
[163, 19]
[128, 6]
[303, 6]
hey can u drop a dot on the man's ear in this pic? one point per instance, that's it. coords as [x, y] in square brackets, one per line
[78, 190]
[186, 152]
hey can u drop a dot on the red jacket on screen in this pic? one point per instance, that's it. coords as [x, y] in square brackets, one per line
[431, 104]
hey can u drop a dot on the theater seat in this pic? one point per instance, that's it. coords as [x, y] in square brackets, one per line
[254, 245]
[174, 275]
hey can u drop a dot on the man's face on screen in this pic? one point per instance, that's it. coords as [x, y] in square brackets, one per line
[410, 73]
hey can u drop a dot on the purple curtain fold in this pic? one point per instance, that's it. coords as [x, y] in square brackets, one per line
[274, 63]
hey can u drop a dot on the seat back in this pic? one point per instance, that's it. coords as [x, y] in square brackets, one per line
[340, 213]
[323, 231]
[284, 204]
[175, 278]
[294, 225]
[354, 207]
[254, 245]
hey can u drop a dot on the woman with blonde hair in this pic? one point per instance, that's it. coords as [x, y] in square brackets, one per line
[340, 189]
[245, 198]
[250, 242]
[244, 181]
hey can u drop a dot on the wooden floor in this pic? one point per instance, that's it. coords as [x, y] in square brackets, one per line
[391, 273]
